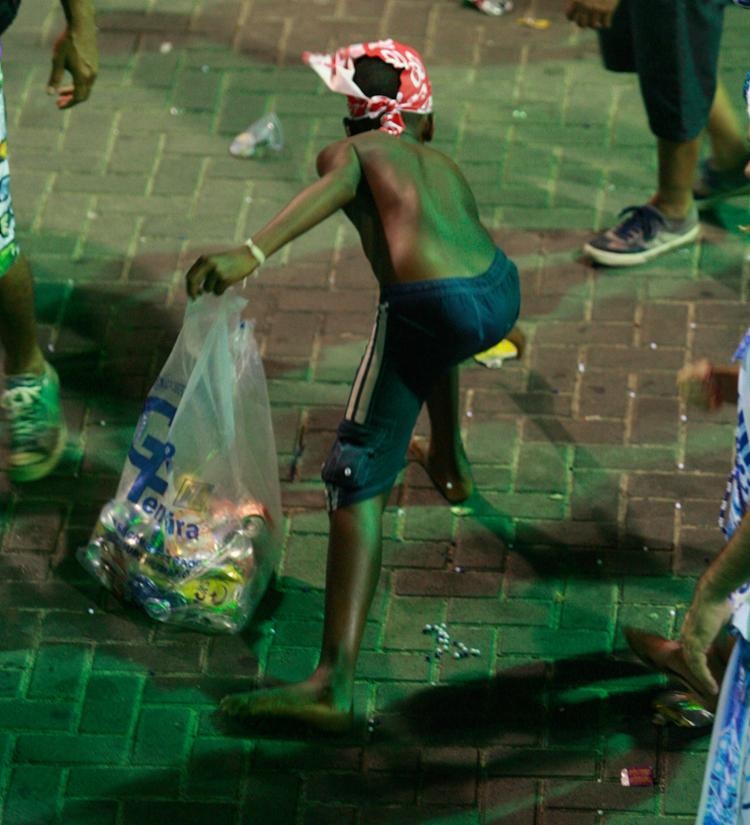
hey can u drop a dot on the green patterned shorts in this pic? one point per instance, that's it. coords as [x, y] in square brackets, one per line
[8, 246]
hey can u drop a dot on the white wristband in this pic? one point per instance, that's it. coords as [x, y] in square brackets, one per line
[256, 251]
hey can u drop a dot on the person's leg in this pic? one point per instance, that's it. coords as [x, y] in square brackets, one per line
[729, 149]
[677, 163]
[17, 322]
[444, 458]
[352, 573]
[722, 175]
[368, 454]
[353, 569]
[675, 48]
[31, 399]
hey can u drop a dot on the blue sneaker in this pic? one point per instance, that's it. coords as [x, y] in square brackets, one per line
[642, 234]
[37, 427]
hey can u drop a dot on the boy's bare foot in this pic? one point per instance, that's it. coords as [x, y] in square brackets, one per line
[452, 479]
[668, 657]
[518, 339]
[305, 702]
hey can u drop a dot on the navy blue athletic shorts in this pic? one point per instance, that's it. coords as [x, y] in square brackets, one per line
[421, 330]
[673, 46]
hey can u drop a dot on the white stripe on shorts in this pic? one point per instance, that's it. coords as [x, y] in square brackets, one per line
[369, 369]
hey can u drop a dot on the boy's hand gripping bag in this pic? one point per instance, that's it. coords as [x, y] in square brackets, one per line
[193, 532]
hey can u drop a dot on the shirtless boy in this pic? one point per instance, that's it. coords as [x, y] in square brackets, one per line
[446, 293]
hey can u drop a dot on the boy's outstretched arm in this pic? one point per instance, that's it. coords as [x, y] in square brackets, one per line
[339, 167]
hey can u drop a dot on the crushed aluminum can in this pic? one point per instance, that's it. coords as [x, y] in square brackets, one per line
[494, 8]
[683, 709]
[637, 777]
[181, 565]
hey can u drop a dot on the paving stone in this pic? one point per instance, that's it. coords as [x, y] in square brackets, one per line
[494, 611]
[84, 812]
[683, 781]
[509, 801]
[71, 749]
[590, 605]
[58, 671]
[110, 703]
[134, 658]
[598, 796]
[538, 762]
[36, 715]
[426, 554]
[215, 769]
[34, 526]
[119, 783]
[161, 735]
[451, 583]
[32, 794]
[191, 813]
[596, 496]
[551, 643]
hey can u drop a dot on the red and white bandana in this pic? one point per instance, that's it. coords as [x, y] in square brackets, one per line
[414, 94]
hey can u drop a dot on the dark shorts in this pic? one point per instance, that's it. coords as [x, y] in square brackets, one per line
[673, 46]
[421, 330]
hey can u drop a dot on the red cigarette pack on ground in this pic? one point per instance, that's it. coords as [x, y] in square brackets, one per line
[637, 777]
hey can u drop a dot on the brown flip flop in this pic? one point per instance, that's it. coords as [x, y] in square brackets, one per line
[667, 657]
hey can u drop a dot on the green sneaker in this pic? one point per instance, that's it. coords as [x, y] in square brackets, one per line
[37, 427]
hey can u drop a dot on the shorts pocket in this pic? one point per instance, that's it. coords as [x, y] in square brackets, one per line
[348, 465]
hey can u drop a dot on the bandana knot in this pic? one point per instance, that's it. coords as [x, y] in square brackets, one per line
[414, 94]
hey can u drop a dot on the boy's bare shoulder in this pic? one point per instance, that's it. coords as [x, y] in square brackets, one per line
[334, 155]
[377, 147]
[362, 147]
[373, 141]
[377, 143]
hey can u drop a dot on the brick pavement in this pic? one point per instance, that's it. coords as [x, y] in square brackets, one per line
[598, 496]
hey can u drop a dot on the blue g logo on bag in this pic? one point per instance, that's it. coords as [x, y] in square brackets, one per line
[157, 453]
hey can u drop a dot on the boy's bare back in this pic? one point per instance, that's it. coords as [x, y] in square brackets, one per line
[413, 210]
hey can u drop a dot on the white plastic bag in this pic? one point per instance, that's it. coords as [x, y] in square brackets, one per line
[193, 532]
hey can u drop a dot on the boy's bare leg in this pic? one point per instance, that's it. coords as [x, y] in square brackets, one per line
[353, 569]
[445, 458]
[17, 324]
